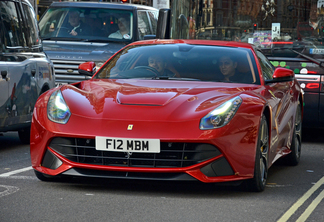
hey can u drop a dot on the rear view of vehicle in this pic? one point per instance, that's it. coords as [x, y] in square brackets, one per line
[305, 59]
[26, 72]
[77, 32]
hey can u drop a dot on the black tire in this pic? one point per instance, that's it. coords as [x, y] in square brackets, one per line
[24, 135]
[258, 182]
[293, 158]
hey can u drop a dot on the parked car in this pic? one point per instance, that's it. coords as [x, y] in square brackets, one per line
[94, 34]
[172, 115]
[26, 71]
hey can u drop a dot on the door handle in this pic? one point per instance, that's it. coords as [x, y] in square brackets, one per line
[33, 72]
[4, 74]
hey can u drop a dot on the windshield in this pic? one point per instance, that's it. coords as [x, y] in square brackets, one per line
[86, 24]
[288, 32]
[182, 62]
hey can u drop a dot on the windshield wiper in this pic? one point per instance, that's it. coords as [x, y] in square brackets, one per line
[320, 63]
[300, 47]
[65, 38]
[107, 40]
[175, 78]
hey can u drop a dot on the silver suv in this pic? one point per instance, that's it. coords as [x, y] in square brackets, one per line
[78, 32]
[26, 72]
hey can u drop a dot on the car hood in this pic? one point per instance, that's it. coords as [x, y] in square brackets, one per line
[81, 51]
[169, 100]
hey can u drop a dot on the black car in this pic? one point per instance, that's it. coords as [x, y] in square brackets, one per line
[304, 58]
[26, 71]
[77, 32]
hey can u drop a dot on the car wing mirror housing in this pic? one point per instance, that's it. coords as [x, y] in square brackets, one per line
[87, 68]
[281, 75]
[163, 30]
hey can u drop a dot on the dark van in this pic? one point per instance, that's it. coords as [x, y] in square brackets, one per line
[26, 71]
[78, 32]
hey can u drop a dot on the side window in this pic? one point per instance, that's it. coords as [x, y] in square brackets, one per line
[153, 16]
[31, 25]
[266, 66]
[143, 25]
[3, 35]
[11, 22]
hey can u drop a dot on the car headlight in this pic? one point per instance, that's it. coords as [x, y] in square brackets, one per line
[57, 110]
[221, 115]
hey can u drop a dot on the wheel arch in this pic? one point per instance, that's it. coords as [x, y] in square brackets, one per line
[267, 113]
[44, 88]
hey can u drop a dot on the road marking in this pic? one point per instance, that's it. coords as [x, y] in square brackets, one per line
[311, 207]
[301, 200]
[23, 177]
[8, 190]
[16, 172]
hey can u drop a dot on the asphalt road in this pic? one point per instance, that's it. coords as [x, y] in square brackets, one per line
[292, 193]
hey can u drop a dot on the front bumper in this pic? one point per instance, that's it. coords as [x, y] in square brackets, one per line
[221, 155]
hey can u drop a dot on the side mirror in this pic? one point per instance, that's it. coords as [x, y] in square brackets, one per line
[87, 68]
[282, 75]
[163, 30]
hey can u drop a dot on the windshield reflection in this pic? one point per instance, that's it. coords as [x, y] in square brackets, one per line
[183, 62]
[268, 24]
[85, 24]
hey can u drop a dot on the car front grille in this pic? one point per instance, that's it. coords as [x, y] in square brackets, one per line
[171, 155]
[66, 71]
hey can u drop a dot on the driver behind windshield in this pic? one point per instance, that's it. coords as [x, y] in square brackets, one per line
[158, 63]
[75, 26]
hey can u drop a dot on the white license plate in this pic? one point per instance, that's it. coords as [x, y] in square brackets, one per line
[316, 51]
[127, 145]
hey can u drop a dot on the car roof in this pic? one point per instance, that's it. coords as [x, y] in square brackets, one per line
[196, 42]
[102, 5]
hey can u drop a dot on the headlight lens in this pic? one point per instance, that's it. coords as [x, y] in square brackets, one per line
[221, 115]
[57, 110]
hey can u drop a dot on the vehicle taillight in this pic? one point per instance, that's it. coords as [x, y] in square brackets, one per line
[282, 43]
[312, 85]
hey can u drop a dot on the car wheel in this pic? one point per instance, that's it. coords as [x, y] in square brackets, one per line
[258, 182]
[24, 135]
[293, 157]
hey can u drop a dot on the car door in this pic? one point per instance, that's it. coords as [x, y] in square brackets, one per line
[280, 100]
[4, 80]
[20, 67]
[4, 89]
[7, 40]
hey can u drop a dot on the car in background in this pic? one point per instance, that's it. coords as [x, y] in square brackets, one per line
[94, 41]
[171, 115]
[26, 71]
[304, 58]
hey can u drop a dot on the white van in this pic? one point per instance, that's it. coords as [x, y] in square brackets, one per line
[26, 71]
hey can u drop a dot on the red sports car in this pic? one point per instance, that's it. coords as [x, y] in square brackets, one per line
[210, 111]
